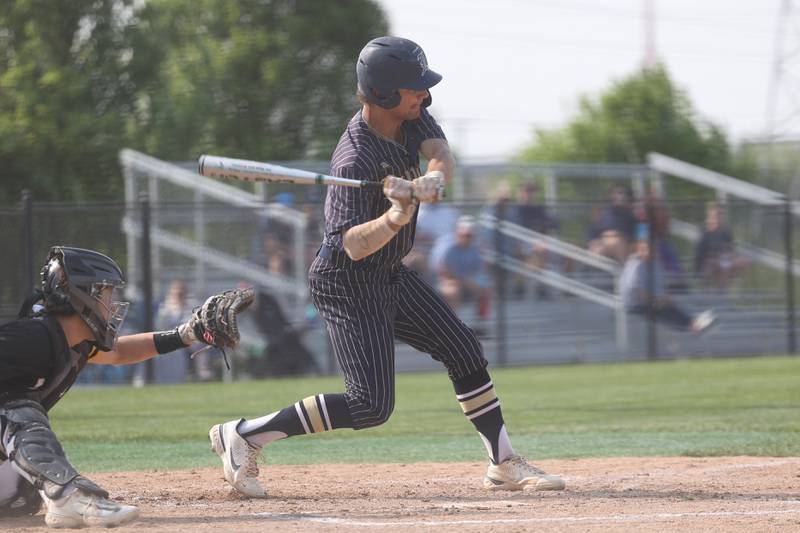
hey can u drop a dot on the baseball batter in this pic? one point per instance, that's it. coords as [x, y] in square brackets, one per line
[367, 297]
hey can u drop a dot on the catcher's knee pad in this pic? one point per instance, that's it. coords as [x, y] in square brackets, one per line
[35, 449]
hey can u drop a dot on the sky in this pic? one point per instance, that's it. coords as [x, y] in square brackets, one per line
[512, 65]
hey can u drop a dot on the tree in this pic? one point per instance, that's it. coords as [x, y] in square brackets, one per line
[260, 80]
[80, 80]
[642, 113]
[64, 94]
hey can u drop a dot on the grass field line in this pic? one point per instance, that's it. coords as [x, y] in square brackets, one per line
[652, 517]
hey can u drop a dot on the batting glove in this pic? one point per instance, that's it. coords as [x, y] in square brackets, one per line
[430, 187]
[401, 193]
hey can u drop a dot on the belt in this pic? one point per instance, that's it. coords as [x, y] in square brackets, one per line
[341, 259]
[337, 257]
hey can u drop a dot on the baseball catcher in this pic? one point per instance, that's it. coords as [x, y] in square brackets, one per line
[74, 320]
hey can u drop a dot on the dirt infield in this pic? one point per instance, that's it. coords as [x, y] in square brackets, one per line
[642, 494]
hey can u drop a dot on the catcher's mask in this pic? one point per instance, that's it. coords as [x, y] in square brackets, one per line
[90, 284]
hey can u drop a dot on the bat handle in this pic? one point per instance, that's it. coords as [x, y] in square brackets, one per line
[372, 184]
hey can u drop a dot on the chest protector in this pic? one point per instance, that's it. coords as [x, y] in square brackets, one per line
[67, 364]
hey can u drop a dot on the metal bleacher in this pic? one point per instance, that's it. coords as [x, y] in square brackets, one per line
[582, 320]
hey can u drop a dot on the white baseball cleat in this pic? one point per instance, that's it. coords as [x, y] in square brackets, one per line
[515, 474]
[239, 458]
[80, 509]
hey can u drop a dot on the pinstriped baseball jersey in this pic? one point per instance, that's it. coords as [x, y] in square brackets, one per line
[364, 155]
[367, 304]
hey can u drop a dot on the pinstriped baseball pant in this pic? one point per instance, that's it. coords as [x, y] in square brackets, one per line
[365, 311]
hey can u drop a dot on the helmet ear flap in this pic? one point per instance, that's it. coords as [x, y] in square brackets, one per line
[55, 296]
[386, 102]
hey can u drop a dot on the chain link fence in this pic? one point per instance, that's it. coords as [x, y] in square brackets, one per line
[552, 279]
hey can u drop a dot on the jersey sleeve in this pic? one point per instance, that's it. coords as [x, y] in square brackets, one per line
[350, 206]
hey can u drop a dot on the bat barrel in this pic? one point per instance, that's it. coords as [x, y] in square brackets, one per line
[241, 169]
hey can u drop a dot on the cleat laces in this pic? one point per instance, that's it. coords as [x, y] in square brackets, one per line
[251, 461]
[526, 467]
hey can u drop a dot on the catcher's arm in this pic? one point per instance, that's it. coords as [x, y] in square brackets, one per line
[213, 323]
[130, 349]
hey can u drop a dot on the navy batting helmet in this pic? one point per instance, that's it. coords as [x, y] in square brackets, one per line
[387, 64]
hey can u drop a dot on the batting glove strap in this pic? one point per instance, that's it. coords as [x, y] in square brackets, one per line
[399, 215]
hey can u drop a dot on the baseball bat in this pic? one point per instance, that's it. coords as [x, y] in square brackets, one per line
[213, 166]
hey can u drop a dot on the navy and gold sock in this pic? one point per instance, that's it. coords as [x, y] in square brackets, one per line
[481, 406]
[314, 414]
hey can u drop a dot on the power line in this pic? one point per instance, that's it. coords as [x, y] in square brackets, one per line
[595, 46]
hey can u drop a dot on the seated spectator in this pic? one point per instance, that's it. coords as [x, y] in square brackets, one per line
[275, 254]
[716, 259]
[637, 298]
[460, 268]
[613, 234]
[501, 207]
[435, 220]
[532, 215]
[666, 253]
[174, 368]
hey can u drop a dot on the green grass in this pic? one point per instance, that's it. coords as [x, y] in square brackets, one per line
[688, 407]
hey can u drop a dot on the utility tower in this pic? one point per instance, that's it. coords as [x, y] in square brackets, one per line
[649, 19]
[783, 107]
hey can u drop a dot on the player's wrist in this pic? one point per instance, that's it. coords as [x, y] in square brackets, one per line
[400, 215]
[394, 227]
[168, 341]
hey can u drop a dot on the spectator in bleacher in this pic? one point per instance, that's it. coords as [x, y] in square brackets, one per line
[434, 221]
[500, 207]
[270, 242]
[716, 259]
[460, 268]
[652, 209]
[173, 368]
[275, 254]
[613, 234]
[637, 298]
[533, 215]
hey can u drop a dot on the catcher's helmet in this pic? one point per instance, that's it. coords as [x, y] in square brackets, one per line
[74, 281]
[387, 64]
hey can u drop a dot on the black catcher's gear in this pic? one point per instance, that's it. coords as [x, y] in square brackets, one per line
[74, 281]
[38, 453]
[26, 503]
[215, 322]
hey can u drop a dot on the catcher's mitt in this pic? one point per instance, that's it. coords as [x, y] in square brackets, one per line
[215, 323]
